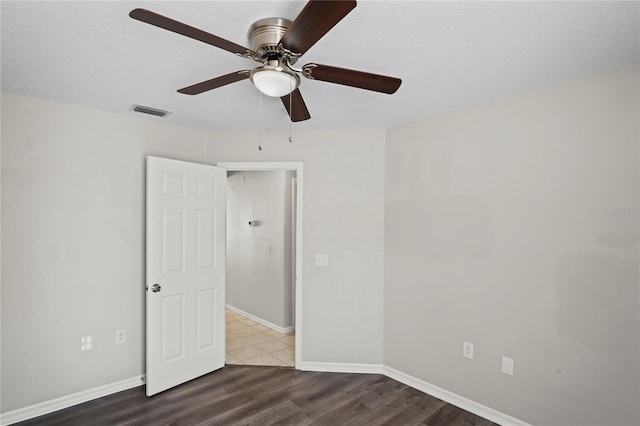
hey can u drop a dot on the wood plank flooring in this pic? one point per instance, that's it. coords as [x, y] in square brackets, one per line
[261, 396]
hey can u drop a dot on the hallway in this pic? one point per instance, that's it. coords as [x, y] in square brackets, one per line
[251, 343]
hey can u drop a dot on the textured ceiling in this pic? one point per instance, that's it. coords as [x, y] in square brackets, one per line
[450, 55]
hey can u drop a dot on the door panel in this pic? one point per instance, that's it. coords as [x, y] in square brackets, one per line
[185, 257]
[206, 315]
[172, 315]
[172, 240]
[206, 235]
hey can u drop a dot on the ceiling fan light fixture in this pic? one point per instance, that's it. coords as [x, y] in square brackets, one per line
[274, 80]
[277, 44]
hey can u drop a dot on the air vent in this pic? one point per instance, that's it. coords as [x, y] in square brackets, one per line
[148, 110]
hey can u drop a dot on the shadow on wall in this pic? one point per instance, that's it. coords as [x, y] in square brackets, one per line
[444, 226]
[597, 300]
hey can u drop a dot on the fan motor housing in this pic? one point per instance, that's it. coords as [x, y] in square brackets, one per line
[265, 34]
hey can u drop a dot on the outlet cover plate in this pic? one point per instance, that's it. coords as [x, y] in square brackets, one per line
[467, 350]
[87, 343]
[322, 260]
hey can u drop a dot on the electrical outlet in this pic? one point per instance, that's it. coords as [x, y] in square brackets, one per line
[467, 350]
[507, 366]
[87, 343]
[322, 260]
[121, 337]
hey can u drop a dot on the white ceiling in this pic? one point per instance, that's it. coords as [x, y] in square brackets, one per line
[450, 55]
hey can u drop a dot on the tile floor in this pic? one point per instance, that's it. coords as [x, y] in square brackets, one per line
[250, 343]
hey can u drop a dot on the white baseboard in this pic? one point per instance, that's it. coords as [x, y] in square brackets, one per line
[488, 413]
[433, 390]
[52, 405]
[283, 330]
[453, 398]
[340, 367]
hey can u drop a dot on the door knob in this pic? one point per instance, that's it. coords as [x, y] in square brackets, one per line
[156, 288]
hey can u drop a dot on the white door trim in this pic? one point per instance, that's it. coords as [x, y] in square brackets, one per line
[297, 167]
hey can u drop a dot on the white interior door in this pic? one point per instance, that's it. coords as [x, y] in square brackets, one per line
[185, 271]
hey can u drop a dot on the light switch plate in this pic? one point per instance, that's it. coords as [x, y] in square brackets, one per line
[507, 366]
[322, 260]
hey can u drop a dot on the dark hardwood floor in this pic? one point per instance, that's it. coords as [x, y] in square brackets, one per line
[249, 395]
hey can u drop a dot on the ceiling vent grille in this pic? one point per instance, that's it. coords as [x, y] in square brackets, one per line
[148, 110]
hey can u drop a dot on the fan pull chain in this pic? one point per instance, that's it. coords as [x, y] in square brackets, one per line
[260, 125]
[290, 110]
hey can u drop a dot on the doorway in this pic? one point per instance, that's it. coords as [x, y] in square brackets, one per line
[264, 308]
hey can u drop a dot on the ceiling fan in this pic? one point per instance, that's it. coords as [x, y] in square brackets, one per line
[277, 44]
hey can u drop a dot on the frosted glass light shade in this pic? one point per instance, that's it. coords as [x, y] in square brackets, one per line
[274, 82]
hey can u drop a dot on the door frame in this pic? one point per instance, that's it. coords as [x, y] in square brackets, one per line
[297, 167]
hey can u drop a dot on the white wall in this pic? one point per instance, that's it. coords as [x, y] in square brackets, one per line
[499, 231]
[343, 217]
[258, 278]
[73, 240]
[501, 225]
[73, 184]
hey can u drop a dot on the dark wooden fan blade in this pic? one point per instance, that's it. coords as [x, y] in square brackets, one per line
[313, 22]
[153, 18]
[359, 79]
[214, 83]
[295, 101]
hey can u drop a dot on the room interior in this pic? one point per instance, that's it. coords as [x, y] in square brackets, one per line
[492, 200]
